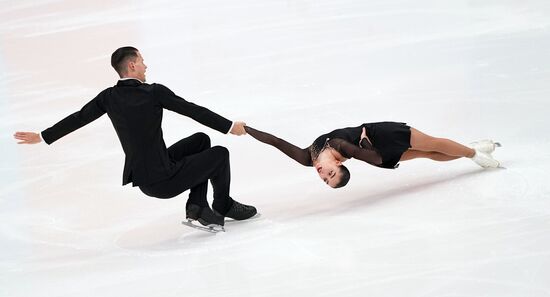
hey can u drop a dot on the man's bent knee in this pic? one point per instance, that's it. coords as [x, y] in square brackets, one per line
[204, 138]
[221, 150]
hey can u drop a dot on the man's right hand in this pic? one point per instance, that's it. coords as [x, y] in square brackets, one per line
[238, 128]
[29, 137]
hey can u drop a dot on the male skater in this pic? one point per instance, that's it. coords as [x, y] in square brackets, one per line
[135, 109]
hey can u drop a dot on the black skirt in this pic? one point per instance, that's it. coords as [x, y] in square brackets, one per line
[390, 139]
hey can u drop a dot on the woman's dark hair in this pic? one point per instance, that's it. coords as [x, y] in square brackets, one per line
[121, 56]
[344, 176]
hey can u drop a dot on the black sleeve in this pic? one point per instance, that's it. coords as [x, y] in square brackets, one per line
[349, 150]
[365, 144]
[301, 156]
[89, 113]
[203, 115]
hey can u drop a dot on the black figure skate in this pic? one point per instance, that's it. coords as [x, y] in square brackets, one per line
[210, 221]
[239, 212]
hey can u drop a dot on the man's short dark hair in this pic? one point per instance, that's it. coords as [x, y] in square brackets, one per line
[344, 177]
[121, 56]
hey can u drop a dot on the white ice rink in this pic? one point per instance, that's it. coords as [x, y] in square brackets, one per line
[461, 69]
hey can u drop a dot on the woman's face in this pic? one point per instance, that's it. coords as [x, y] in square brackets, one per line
[329, 171]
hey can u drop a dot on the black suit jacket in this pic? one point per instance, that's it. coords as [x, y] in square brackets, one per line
[135, 109]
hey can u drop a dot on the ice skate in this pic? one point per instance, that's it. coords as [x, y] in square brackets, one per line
[485, 160]
[255, 217]
[210, 221]
[239, 212]
[485, 146]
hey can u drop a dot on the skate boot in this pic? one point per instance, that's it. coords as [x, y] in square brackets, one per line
[485, 160]
[485, 146]
[239, 211]
[205, 216]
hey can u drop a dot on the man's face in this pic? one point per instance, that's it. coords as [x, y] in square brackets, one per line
[137, 68]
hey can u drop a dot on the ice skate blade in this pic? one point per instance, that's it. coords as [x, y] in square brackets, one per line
[252, 218]
[212, 228]
[494, 168]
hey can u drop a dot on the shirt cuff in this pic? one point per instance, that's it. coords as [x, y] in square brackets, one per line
[231, 128]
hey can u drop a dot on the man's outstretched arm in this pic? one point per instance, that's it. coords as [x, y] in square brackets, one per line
[90, 112]
[203, 115]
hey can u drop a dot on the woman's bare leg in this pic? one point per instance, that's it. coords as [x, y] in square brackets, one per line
[426, 143]
[413, 154]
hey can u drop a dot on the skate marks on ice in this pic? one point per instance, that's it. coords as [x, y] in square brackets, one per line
[356, 201]
[167, 234]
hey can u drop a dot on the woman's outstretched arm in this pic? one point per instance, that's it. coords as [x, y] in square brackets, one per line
[302, 156]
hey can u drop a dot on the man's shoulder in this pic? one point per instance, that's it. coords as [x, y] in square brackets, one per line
[158, 86]
[119, 89]
[161, 89]
[127, 86]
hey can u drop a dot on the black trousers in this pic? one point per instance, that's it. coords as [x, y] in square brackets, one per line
[200, 164]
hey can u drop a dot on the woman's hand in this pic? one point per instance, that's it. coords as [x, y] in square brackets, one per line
[364, 133]
[364, 136]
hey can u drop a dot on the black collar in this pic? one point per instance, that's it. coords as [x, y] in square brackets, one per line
[128, 83]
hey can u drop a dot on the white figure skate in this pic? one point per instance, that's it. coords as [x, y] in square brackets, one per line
[485, 160]
[485, 146]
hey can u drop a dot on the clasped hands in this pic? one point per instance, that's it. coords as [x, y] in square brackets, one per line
[238, 128]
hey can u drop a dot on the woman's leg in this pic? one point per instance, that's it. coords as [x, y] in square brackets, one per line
[413, 154]
[426, 143]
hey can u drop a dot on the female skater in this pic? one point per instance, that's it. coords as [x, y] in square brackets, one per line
[382, 144]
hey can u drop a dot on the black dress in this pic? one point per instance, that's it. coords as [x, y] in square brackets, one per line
[389, 140]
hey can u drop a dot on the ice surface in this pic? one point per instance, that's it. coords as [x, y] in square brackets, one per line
[466, 70]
